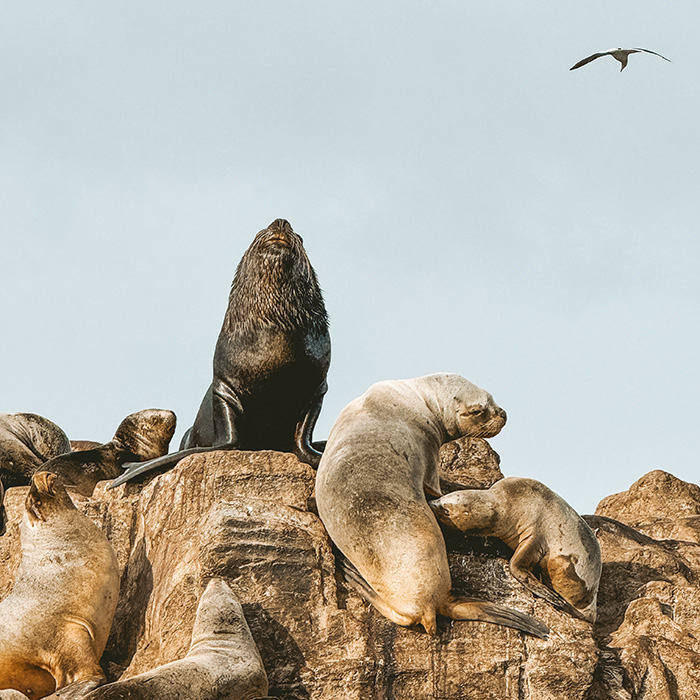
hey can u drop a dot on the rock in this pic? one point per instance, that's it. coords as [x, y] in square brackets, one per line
[659, 505]
[468, 463]
[648, 628]
[222, 663]
[248, 518]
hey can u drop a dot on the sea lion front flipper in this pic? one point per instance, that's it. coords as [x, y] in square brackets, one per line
[303, 447]
[475, 609]
[83, 469]
[521, 563]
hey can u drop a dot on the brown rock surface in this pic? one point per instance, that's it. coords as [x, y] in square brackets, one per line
[648, 625]
[248, 517]
[659, 505]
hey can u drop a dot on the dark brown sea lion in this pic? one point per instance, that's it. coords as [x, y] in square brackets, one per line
[541, 528]
[26, 442]
[140, 436]
[55, 623]
[271, 358]
[380, 459]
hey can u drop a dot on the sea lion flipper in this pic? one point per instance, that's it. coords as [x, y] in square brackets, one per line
[357, 582]
[475, 609]
[76, 690]
[303, 447]
[537, 588]
[226, 408]
[134, 469]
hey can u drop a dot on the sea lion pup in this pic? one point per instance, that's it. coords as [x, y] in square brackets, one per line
[542, 528]
[54, 625]
[380, 459]
[26, 442]
[222, 662]
[140, 436]
[271, 358]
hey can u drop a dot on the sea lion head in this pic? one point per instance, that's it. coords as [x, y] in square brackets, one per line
[470, 509]
[278, 245]
[47, 496]
[467, 410]
[275, 285]
[145, 434]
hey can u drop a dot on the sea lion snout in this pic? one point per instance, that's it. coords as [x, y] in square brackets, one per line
[46, 495]
[440, 511]
[279, 234]
[44, 483]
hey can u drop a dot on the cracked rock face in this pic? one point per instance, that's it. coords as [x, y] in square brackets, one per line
[249, 519]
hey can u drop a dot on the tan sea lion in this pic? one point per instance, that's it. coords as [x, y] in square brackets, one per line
[140, 436]
[55, 623]
[380, 459]
[541, 528]
[222, 662]
[29, 442]
[271, 358]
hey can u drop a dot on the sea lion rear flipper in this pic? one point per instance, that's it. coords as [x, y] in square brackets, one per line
[475, 609]
[134, 469]
[355, 580]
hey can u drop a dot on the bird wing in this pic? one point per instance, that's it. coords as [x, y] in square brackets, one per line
[655, 54]
[590, 58]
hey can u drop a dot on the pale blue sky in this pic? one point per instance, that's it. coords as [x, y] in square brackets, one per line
[468, 203]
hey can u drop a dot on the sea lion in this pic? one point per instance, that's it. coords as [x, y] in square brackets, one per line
[26, 442]
[222, 661]
[271, 358]
[380, 459]
[541, 528]
[140, 436]
[54, 625]
[79, 445]
[3, 512]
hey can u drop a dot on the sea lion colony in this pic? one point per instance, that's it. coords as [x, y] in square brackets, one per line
[380, 463]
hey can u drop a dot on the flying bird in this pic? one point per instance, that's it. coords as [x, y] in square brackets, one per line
[620, 54]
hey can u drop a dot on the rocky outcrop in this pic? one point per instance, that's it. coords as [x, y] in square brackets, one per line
[248, 518]
[649, 601]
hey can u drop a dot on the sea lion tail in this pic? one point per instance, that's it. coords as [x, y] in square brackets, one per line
[475, 609]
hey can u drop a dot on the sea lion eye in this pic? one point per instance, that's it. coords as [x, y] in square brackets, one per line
[477, 410]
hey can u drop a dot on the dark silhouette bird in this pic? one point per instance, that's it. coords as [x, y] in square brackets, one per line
[619, 54]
